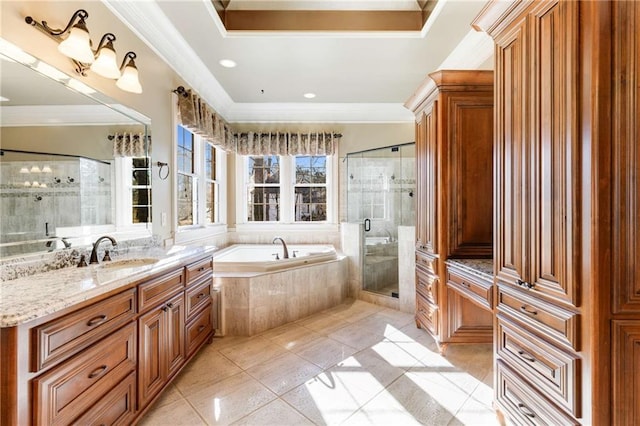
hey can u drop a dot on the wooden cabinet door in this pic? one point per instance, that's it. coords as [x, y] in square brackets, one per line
[151, 356]
[511, 239]
[175, 343]
[626, 157]
[430, 164]
[555, 149]
[421, 158]
[626, 372]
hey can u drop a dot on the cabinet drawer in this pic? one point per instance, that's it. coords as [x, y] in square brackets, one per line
[471, 287]
[523, 404]
[551, 322]
[69, 389]
[199, 268]
[159, 289]
[59, 339]
[198, 330]
[426, 263]
[426, 285]
[115, 408]
[198, 296]
[552, 371]
[427, 314]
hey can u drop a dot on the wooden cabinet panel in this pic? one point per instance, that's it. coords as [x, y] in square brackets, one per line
[426, 285]
[470, 183]
[555, 151]
[510, 150]
[466, 321]
[118, 407]
[426, 205]
[198, 296]
[626, 158]
[62, 393]
[471, 287]
[58, 339]
[159, 289]
[199, 330]
[175, 334]
[524, 404]
[198, 269]
[549, 321]
[426, 315]
[626, 372]
[555, 372]
[152, 356]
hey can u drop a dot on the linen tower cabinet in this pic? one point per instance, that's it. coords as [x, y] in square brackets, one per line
[567, 192]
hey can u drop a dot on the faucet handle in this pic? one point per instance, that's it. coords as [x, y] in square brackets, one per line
[106, 256]
[82, 262]
[294, 253]
[276, 255]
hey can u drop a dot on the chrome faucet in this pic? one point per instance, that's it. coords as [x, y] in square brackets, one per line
[284, 247]
[94, 252]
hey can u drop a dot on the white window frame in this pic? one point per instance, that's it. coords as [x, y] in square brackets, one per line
[287, 199]
[123, 218]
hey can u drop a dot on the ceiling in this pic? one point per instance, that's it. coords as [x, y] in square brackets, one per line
[356, 75]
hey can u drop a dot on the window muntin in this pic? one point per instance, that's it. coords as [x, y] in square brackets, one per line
[310, 189]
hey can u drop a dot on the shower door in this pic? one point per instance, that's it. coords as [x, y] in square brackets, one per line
[380, 196]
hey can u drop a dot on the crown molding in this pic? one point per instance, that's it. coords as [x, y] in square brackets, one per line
[62, 115]
[319, 113]
[147, 21]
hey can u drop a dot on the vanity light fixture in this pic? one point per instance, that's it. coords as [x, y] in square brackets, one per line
[27, 183]
[35, 169]
[46, 169]
[24, 170]
[227, 63]
[102, 61]
[309, 95]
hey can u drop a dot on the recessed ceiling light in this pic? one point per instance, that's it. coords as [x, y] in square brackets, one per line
[228, 63]
[309, 95]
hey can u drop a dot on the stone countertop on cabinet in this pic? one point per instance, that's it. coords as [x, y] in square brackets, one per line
[482, 268]
[28, 298]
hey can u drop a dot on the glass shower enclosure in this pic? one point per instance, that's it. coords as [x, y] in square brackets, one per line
[380, 194]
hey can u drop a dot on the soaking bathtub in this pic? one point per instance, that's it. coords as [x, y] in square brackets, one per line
[260, 292]
[262, 257]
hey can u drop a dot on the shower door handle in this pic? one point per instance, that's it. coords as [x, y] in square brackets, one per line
[367, 225]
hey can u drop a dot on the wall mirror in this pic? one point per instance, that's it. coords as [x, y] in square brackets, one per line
[60, 183]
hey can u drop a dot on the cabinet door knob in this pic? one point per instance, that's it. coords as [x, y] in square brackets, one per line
[164, 308]
[98, 372]
[169, 305]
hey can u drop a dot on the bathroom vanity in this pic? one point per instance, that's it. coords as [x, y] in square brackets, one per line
[103, 353]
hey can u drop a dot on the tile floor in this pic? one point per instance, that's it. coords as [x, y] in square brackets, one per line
[355, 364]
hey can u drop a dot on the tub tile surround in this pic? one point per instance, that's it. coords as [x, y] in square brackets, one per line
[397, 377]
[37, 295]
[255, 303]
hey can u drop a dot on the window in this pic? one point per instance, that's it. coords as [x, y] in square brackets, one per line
[286, 189]
[200, 166]
[311, 189]
[187, 184]
[140, 190]
[263, 192]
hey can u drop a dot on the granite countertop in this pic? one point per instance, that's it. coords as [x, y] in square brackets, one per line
[482, 268]
[35, 296]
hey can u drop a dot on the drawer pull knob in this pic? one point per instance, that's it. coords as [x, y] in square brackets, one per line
[200, 269]
[524, 284]
[526, 356]
[202, 327]
[466, 284]
[98, 372]
[164, 308]
[201, 295]
[169, 305]
[97, 320]
[526, 411]
[524, 309]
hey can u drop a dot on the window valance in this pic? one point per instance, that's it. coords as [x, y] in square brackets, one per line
[129, 144]
[195, 115]
[287, 143]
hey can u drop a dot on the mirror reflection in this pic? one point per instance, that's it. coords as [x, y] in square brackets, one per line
[73, 163]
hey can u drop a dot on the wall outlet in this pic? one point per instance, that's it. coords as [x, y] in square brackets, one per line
[163, 219]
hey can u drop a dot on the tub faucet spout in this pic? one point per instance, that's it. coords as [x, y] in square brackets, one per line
[284, 247]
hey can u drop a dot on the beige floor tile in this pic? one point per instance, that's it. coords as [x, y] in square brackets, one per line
[230, 399]
[252, 352]
[323, 324]
[330, 397]
[177, 413]
[205, 369]
[295, 338]
[325, 352]
[356, 336]
[476, 414]
[274, 413]
[219, 343]
[397, 318]
[395, 354]
[169, 395]
[369, 363]
[275, 332]
[437, 392]
[283, 373]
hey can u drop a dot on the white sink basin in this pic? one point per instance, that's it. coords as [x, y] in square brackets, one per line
[127, 263]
